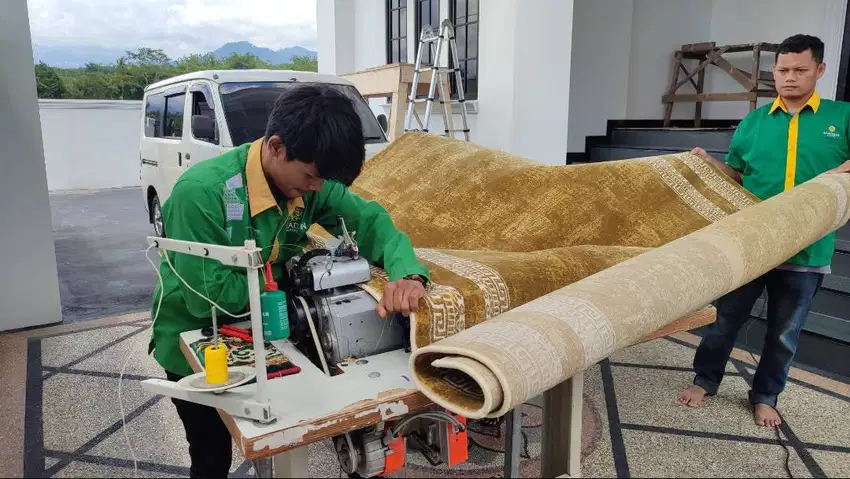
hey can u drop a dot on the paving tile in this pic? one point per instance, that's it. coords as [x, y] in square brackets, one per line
[662, 455]
[160, 422]
[600, 461]
[816, 417]
[660, 352]
[113, 358]
[834, 464]
[77, 408]
[85, 469]
[61, 350]
[651, 398]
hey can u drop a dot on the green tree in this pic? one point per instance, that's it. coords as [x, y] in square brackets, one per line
[128, 77]
[96, 86]
[48, 82]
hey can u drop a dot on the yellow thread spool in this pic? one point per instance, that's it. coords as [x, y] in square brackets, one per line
[215, 361]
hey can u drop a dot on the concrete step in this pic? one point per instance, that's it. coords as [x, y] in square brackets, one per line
[673, 138]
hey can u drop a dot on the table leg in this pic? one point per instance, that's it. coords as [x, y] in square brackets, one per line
[513, 442]
[561, 447]
[287, 464]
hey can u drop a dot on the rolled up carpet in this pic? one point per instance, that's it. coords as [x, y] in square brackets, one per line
[488, 369]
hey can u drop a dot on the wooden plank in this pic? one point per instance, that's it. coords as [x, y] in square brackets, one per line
[703, 47]
[384, 81]
[698, 109]
[693, 321]
[754, 76]
[764, 76]
[674, 77]
[742, 79]
[685, 71]
[705, 63]
[691, 98]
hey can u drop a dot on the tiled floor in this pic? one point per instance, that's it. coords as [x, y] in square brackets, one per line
[634, 425]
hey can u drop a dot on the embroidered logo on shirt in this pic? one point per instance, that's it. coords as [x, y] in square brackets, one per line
[296, 222]
[830, 133]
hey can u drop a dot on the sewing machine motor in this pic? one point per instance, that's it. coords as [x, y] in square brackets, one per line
[324, 291]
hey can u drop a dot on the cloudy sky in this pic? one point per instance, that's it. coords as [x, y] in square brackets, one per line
[177, 26]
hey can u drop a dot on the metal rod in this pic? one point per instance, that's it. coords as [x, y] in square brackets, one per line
[513, 442]
[257, 327]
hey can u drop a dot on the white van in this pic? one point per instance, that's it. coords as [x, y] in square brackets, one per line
[198, 116]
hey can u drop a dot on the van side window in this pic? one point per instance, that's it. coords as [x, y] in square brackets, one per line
[154, 109]
[204, 126]
[173, 126]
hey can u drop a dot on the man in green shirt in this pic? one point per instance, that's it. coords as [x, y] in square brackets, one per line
[776, 147]
[271, 190]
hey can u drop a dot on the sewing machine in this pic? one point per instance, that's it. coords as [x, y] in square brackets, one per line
[354, 386]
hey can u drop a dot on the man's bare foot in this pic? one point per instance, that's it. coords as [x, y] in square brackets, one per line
[692, 396]
[767, 416]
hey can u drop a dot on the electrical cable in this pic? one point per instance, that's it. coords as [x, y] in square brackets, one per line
[776, 429]
[150, 328]
[127, 360]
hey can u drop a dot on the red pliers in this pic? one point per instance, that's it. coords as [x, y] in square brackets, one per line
[239, 333]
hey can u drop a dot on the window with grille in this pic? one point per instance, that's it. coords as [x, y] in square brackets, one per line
[396, 31]
[464, 16]
[427, 13]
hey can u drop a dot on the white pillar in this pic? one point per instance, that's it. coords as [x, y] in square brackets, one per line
[335, 31]
[29, 295]
[524, 77]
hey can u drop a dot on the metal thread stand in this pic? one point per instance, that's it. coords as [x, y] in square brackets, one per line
[257, 408]
[427, 39]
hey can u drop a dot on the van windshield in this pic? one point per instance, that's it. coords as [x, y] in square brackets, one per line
[247, 106]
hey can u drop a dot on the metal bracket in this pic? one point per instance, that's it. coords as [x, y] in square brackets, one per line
[236, 403]
[242, 257]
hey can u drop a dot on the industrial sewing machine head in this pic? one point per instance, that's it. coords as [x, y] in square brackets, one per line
[333, 320]
[325, 304]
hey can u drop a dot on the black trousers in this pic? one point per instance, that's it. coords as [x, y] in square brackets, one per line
[210, 444]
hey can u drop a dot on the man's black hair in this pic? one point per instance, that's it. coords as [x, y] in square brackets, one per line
[800, 43]
[318, 124]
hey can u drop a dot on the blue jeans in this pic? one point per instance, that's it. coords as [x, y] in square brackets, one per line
[790, 295]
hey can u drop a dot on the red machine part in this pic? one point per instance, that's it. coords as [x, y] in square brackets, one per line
[395, 455]
[458, 442]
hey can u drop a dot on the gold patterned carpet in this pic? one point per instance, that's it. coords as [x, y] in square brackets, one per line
[497, 231]
[541, 271]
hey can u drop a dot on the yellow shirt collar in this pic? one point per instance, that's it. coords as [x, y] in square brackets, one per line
[260, 197]
[814, 103]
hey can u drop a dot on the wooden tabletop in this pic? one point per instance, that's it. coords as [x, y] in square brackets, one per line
[311, 406]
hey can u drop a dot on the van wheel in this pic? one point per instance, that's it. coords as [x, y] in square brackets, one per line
[156, 217]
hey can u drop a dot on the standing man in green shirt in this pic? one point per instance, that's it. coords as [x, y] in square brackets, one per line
[776, 147]
[272, 189]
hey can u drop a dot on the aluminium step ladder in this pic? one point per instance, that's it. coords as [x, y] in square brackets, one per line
[429, 38]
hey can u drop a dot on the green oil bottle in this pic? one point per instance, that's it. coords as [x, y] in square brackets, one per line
[273, 307]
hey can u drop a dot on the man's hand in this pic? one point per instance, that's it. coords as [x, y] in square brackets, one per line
[736, 176]
[401, 296]
[702, 154]
[843, 168]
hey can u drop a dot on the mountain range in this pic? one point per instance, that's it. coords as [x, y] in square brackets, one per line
[78, 56]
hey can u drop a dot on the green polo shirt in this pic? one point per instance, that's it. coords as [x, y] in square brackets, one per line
[775, 150]
[218, 201]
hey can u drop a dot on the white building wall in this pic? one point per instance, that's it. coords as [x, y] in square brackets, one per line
[604, 59]
[602, 36]
[658, 28]
[734, 21]
[30, 292]
[91, 144]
